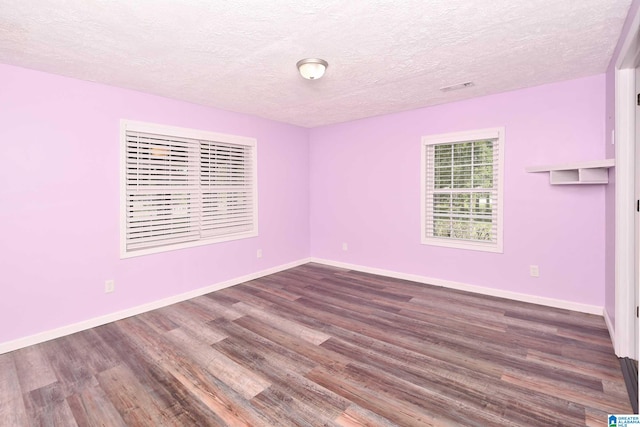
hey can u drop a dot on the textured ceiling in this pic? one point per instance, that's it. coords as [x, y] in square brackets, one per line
[384, 56]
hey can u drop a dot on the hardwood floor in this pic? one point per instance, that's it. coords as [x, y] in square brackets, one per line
[315, 346]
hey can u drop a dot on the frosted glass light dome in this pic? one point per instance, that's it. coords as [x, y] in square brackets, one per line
[312, 68]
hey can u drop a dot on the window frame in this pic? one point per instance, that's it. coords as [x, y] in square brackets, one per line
[497, 134]
[194, 134]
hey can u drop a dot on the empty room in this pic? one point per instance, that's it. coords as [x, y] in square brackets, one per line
[296, 213]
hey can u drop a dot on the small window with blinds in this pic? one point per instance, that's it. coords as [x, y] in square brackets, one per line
[462, 177]
[184, 187]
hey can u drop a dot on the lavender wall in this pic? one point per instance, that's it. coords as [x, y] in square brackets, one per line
[365, 191]
[356, 182]
[59, 199]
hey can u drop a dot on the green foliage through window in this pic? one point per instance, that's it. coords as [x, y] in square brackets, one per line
[463, 181]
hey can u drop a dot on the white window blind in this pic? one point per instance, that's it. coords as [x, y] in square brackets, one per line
[226, 177]
[462, 190]
[184, 188]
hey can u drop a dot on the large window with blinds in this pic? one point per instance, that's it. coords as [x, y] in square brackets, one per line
[462, 176]
[184, 187]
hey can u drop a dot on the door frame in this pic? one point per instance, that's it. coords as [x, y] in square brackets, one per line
[625, 175]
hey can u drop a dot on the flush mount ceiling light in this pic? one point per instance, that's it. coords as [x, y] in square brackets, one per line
[312, 68]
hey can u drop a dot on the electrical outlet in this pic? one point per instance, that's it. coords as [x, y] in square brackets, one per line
[259, 253]
[109, 286]
[345, 247]
[534, 271]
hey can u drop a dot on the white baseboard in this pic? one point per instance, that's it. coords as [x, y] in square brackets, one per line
[549, 302]
[610, 326]
[112, 317]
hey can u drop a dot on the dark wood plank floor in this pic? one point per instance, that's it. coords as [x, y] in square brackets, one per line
[316, 346]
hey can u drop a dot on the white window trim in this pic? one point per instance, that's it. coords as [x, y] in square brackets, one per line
[448, 138]
[186, 133]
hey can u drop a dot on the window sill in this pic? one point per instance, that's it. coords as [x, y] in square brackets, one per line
[460, 244]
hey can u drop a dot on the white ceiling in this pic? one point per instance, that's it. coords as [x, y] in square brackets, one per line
[384, 56]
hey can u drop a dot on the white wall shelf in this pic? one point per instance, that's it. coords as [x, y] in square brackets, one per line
[592, 172]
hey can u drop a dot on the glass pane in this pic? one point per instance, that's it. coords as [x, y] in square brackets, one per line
[222, 164]
[482, 204]
[461, 204]
[462, 176]
[462, 153]
[157, 162]
[464, 167]
[441, 203]
[483, 152]
[461, 228]
[442, 155]
[482, 229]
[442, 227]
[483, 176]
[442, 177]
